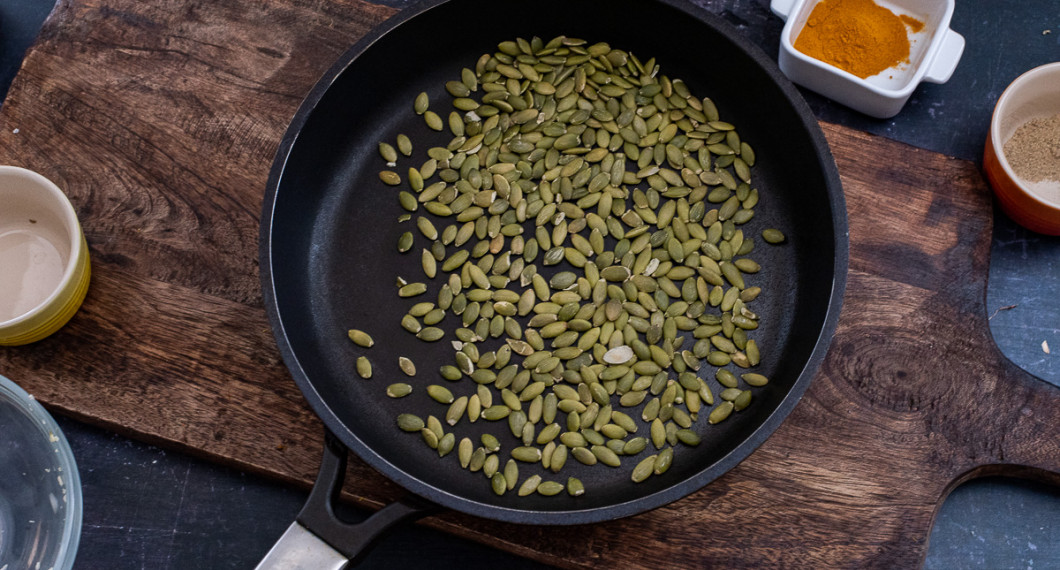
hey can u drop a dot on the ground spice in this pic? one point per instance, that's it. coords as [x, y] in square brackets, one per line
[1033, 152]
[858, 36]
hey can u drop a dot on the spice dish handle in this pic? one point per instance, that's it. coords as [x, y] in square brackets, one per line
[319, 540]
[782, 8]
[946, 57]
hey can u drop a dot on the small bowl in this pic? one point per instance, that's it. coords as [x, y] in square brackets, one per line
[934, 51]
[40, 488]
[43, 255]
[1033, 205]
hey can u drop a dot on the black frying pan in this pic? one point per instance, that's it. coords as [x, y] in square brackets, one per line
[329, 261]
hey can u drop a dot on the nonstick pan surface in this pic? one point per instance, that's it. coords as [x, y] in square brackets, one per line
[329, 231]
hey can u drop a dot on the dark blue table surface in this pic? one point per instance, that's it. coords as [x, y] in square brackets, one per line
[146, 507]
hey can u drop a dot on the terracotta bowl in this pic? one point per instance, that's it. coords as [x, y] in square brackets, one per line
[1033, 205]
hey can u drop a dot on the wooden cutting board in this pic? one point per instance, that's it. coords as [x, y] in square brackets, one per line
[160, 120]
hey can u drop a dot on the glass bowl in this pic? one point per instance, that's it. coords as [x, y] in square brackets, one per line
[40, 490]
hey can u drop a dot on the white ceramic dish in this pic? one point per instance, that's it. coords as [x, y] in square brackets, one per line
[933, 55]
[40, 489]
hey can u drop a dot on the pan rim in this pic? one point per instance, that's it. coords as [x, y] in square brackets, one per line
[637, 503]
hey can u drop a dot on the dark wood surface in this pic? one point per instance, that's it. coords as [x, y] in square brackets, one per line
[160, 122]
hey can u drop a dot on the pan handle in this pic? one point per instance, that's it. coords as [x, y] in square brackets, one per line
[319, 539]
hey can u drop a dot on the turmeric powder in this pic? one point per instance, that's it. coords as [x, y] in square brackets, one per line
[857, 36]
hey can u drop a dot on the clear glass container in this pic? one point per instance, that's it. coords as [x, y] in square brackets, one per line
[40, 490]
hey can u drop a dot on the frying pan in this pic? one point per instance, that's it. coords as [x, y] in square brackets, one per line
[329, 261]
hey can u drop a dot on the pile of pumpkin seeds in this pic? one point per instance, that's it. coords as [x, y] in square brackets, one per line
[585, 164]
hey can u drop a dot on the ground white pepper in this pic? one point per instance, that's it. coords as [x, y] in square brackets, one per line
[1033, 152]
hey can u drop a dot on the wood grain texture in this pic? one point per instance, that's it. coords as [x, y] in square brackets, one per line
[160, 121]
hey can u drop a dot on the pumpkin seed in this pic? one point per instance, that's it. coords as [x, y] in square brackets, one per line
[720, 413]
[405, 242]
[430, 334]
[404, 144]
[440, 394]
[663, 461]
[490, 443]
[388, 152]
[410, 423]
[526, 454]
[511, 474]
[529, 486]
[446, 444]
[398, 390]
[499, 483]
[360, 338]
[754, 379]
[429, 264]
[463, 452]
[389, 177]
[434, 122]
[421, 103]
[773, 236]
[412, 290]
[688, 437]
[550, 488]
[606, 456]
[364, 367]
[644, 469]
[406, 366]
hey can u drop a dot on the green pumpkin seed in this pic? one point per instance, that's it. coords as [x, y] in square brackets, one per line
[446, 444]
[405, 242]
[754, 379]
[550, 488]
[773, 236]
[406, 366]
[491, 466]
[404, 144]
[720, 413]
[364, 367]
[478, 460]
[490, 443]
[464, 450]
[430, 334]
[644, 469]
[389, 177]
[496, 412]
[688, 437]
[440, 394]
[499, 483]
[529, 486]
[387, 152]
[360, 338]
[398, 390]
[584, 455]
[434, 122]
[753, 356]
[428, 263]
[410, 423]
[430, 438]
[606, 456]
[412, 290]
[663, 461]
[421, 103]
[526, 454]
